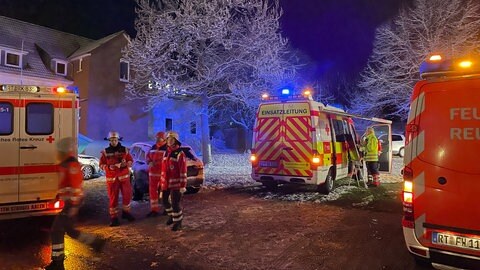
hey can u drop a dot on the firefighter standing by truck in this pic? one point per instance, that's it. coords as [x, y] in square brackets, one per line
[154, 160]
[371, 151]
[71, 192]
[115, 161]
[174, 180]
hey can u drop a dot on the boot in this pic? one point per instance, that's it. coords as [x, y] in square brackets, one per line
[98, 244]
[55, 265]
[114, 222]
[153, 214]
[177, 226]
[127, 216]
[169, 221]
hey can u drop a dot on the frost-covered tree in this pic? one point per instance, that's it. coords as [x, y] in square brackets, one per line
[212, 51]
[450, 27]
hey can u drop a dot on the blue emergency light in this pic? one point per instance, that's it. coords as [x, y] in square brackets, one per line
[285, 91]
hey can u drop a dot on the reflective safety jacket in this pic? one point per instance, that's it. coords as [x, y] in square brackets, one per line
[115, 161]
[371, 148]
[174, 169]
[71, 178]
[155, 155]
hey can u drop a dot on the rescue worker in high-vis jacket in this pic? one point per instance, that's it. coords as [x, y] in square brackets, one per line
[71, 192]
[154, 161]
[116, 161]
[174, 180]
[370, 146]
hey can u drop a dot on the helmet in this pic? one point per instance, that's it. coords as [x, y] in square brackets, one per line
[113, 134]
[173, 134]
[160, 134]
[66, 145]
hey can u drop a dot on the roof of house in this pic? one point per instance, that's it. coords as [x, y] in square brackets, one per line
[42, 44]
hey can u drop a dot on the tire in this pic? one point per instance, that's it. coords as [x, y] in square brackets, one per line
[327, 187]
[420, 261]
[192, 190]
[87, 172]
[271, 186]
[401, 152]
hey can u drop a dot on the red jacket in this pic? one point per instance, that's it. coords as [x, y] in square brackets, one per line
[71, 179]
[174, 169]
[115, 161]
[155, 155]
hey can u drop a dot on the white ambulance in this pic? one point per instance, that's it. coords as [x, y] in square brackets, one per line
[302, 141]
[441, 219]
[32, 120]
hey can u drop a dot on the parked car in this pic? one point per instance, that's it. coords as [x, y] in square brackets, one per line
[139, 150]
[398, 143]
[90, 165]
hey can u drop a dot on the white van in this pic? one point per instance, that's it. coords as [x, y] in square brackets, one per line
[32, 120]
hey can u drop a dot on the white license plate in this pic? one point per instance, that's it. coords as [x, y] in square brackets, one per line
[268, 163]
[456, 241]
[23, 207]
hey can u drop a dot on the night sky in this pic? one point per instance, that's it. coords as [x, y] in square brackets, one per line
[332, 36]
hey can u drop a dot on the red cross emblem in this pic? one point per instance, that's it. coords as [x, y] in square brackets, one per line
[50, 139]
[327, 129]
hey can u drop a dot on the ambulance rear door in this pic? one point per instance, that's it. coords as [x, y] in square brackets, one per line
[444, 157]
[38, 132]
[9, 145]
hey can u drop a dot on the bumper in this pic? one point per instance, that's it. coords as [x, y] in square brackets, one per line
[443, 257]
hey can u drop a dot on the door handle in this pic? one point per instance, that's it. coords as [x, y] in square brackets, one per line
[28, 147]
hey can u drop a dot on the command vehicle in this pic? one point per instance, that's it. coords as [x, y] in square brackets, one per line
[302, 141]
[32, 120]
[441, 221]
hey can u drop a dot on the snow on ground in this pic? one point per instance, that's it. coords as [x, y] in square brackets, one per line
[233, 171]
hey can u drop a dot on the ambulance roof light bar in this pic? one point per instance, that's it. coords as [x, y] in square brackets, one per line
[437, 66]
[286, 94]
[19, 88]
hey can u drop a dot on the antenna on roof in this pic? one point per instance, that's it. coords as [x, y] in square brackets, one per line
[21, 65]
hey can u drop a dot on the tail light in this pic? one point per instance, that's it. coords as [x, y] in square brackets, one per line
[56, 204]
[315, 161]
[408, 218]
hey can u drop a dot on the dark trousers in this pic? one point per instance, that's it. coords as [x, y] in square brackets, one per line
[172, 203]
[62, 224]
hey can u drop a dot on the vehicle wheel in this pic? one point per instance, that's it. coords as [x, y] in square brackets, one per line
[192, 190]
[270, 185]
[326, 187]
[87, 172]
[401, 152]
[137, 193]
[422, 261]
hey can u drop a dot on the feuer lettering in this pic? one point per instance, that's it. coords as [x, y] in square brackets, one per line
[467, 134]
[464, 113]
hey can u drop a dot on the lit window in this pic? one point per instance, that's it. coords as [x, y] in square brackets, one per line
[124, 71]
[12, 59]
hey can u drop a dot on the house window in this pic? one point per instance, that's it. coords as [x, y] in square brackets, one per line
[61, 68]
[193, 127]
[168, 124]
[124, 71]
[12, 59]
